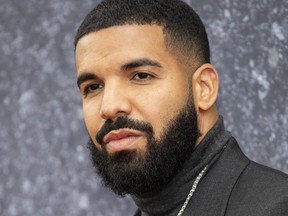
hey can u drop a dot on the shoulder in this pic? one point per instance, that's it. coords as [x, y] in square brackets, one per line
[260, 190]
[266, 174]
[258, 179]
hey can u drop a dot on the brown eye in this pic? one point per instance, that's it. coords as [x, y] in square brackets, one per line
[142, 76]
[92, 88]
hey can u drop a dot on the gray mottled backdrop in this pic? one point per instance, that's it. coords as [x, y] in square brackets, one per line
[44, 164]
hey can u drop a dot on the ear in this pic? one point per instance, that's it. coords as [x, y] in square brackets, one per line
[205, 84]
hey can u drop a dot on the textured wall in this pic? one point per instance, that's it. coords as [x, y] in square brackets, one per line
[44, 165]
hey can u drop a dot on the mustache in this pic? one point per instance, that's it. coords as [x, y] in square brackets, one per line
[120, 123]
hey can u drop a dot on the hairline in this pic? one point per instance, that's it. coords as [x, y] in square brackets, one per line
[169, 42]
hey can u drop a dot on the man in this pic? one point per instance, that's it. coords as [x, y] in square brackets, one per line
[149, 104]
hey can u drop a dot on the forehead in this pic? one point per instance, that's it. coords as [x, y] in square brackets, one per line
[118, 44]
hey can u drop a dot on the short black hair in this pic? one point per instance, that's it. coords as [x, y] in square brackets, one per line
[184, 32]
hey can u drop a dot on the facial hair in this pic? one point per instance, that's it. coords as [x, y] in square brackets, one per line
[137, 172]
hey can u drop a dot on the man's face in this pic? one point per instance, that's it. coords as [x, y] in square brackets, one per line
[135, 94]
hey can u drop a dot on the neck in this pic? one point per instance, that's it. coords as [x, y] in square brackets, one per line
[206, 120]
[169, 199]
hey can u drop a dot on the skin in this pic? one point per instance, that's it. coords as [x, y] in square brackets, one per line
[127, 70]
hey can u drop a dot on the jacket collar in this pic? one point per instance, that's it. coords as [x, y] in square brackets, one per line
[169, 200]
[212, 195]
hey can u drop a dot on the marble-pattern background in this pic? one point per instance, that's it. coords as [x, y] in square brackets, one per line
[44, 165]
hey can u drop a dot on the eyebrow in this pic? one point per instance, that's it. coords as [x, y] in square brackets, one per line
[85, 77]
[127, 66]
[140, 62]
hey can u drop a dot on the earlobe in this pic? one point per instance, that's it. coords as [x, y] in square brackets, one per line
[205, 84]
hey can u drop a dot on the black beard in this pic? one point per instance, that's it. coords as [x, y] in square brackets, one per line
[135, 172]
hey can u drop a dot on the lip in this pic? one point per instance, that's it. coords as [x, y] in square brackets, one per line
[122, 139]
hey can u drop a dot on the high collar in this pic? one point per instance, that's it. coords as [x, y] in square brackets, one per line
[170, 198]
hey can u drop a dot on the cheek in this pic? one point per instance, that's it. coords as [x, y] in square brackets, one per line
[91, 119]
[162, 106]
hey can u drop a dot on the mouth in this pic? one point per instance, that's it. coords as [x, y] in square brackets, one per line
[122, 139]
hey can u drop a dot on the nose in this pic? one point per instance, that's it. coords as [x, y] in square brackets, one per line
[114, 102]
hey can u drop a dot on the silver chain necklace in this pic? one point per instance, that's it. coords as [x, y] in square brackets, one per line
[191, 192]
[194, 186]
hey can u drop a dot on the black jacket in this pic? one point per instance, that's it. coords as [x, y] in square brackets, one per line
[237, 186]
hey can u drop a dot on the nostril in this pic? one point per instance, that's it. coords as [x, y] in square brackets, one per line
[114, 102]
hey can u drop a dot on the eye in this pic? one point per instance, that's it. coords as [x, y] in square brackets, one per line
[92, 88]
[142, 76]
